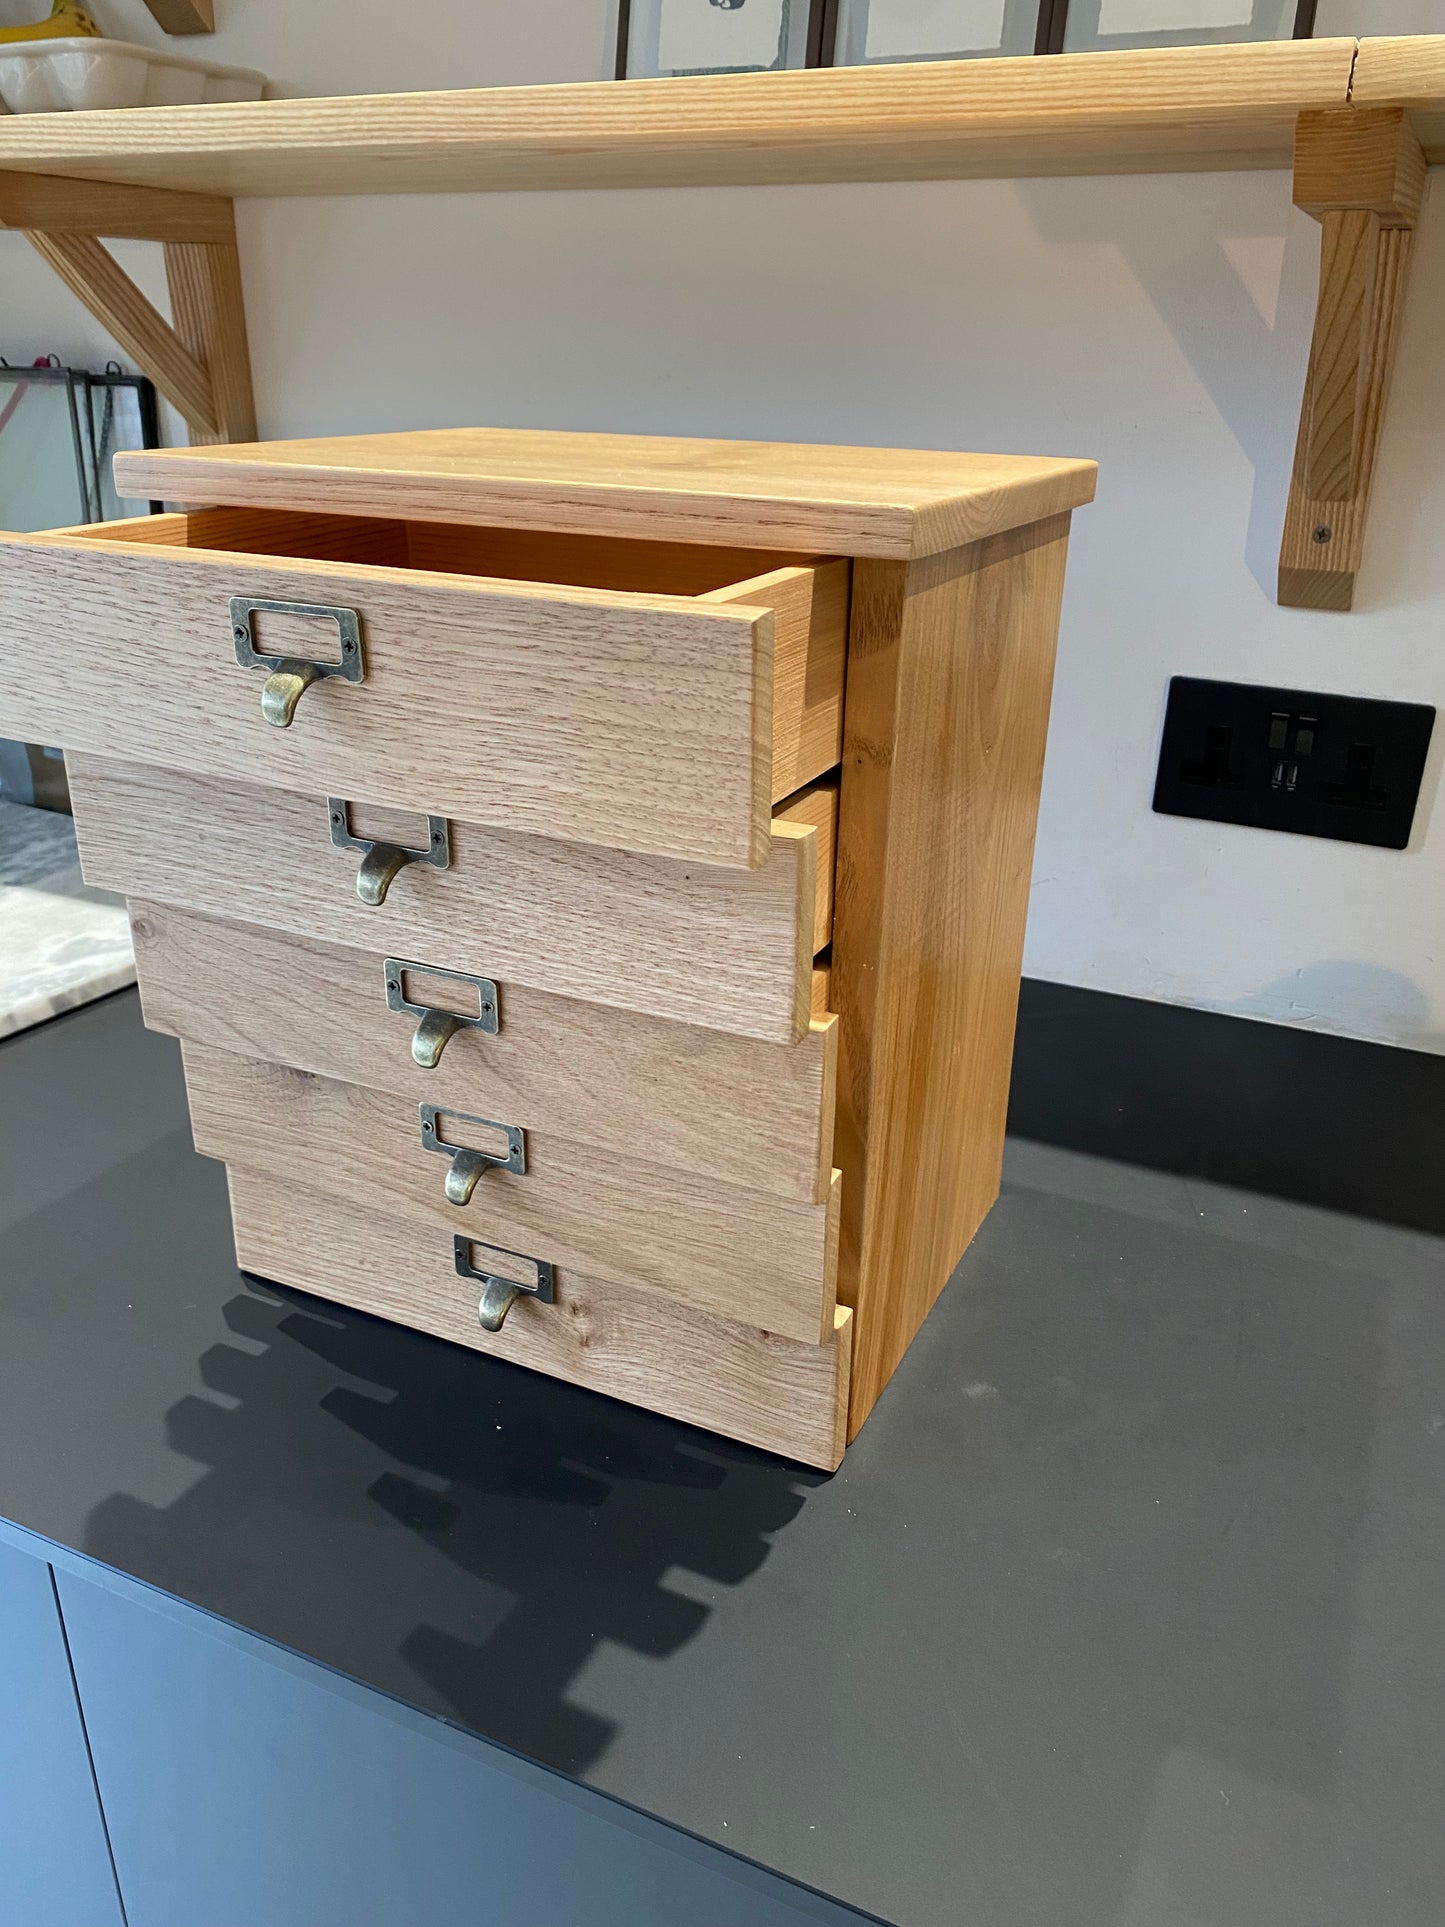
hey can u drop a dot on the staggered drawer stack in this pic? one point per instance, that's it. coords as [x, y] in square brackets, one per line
[499, 853]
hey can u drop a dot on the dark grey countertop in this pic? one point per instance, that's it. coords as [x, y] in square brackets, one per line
[1126, 1607]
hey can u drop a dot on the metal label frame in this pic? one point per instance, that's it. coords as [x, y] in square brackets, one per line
[244, 609]
[489, 1018]
[545, 1289]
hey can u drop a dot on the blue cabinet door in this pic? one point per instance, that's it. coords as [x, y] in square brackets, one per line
[243, 1785]
[55, 1866]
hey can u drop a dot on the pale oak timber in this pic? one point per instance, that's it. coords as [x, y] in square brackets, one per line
[745, 1113]
[817, 807]
[728, 1377]
[949, 681]
[949, 665]
[184, 16]
[639, 722]
[47, 204]
[1361, 173]
[201, 364]
[810, 647]
[885, 502]
[630, 1220]
[728, 948]
[822, 991]
[92, 274]
[1407, 70]
[1154, 110]
[209, 306]
[808, 602]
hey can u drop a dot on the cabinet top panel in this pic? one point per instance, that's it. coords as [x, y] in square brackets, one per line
[898, 503]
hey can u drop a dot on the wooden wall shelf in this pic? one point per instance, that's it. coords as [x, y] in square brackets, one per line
[1182, 108]
[1171, 110]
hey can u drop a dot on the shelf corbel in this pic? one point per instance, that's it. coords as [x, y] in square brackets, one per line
[201, 362]
[1361, 173]
[184, 16]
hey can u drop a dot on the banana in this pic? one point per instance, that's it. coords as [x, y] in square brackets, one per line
[67, 19]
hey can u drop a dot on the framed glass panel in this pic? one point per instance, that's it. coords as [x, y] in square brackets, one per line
[59, 429]
[45, 458]
[1093, 26]
[874, 31]
[676, 37]
[123, 415]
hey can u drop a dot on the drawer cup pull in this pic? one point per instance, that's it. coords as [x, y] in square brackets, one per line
[500, 1294]
[437, 1027]
[290, 677]
[382, 862]
[470, 1165]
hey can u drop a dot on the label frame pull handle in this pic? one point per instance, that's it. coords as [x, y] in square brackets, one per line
[383, 862]
[468, 1165]
[436, 1028]
[289, 677]
[499, 1294]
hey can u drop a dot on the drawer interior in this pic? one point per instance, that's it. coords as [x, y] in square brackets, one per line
[527, 555]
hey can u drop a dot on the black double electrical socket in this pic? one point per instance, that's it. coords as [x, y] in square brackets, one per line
[1347, 767]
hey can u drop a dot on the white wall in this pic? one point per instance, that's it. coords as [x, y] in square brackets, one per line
[1159, 324]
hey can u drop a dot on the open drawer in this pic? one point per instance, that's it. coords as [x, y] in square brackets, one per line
[643, 696]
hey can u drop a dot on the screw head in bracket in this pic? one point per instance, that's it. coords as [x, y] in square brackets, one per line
[1322, 533]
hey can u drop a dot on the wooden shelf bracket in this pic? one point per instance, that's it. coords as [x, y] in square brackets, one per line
[1361, 173]
[201, 363]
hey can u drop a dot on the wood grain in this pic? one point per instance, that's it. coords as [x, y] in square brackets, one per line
[184, 16]
[731, 1109]
[1362, 158]
[731, 949]
[809, 604]
[810, 648]
[822, 993]
[949, 680]
[93, 275]
[728, 1377]
[1103, 113]
[817, 808]
[778, 495]
[1362, 174]
[629, 1219]
[640, 722]
[1406, 70]
[208, 303]
[49, 204]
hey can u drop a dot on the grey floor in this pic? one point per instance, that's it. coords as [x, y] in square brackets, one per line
[1127, 1608]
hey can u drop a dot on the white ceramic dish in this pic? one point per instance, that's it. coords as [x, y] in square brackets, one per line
[49, 76]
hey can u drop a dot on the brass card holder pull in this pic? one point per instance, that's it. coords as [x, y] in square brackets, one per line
[436, 1028]
[290, 677]
[500, 1293]
[382, 862]
[469, 1164]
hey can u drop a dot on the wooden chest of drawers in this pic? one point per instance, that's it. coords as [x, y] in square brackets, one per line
[587, 875]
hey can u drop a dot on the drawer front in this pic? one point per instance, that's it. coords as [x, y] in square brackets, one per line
[739, 1254]
[722, 1107]
[768, 1391]
[731, 949]
[639, 722]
